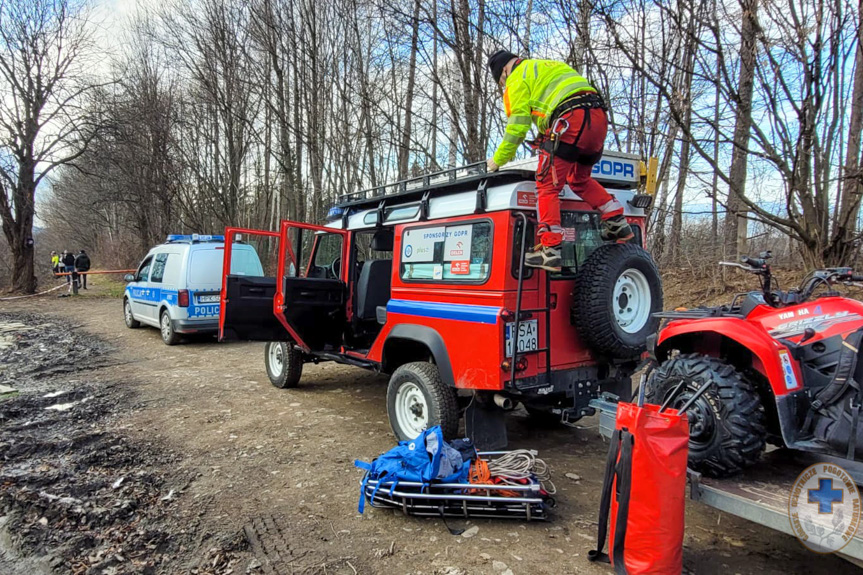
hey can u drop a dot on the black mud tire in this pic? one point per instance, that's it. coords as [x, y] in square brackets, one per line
[284, 364]
[594, 305]
[727, 424]
[128, 317]
[440, 400]
[543, 418]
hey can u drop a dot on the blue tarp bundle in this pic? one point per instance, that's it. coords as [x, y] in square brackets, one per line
[425, 459]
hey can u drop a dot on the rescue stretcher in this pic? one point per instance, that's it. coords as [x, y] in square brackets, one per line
[463, 500]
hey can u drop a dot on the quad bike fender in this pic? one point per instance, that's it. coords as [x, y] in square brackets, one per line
[743, 344]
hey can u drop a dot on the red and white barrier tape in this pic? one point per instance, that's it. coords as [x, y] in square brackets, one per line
[34, 294]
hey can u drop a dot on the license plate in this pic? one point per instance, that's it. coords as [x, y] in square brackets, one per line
[208, 298]
[527, 336]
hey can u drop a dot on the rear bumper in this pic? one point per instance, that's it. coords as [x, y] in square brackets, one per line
[195, 325]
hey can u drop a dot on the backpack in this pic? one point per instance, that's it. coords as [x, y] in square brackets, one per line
[425, 459]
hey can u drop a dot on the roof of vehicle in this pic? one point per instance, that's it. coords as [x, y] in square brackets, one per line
[470, 189]
[194, 238]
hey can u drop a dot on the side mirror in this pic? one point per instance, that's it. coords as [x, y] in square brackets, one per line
[129, 278]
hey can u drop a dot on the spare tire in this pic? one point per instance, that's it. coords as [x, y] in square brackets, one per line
[617, 291]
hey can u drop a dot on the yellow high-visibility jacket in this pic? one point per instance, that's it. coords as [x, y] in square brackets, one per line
[534, 88]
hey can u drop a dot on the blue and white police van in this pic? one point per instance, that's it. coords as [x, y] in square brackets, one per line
[177, 285]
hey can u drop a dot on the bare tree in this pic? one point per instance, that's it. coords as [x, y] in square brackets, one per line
[44, 122]
[845, 240]
[735, 217]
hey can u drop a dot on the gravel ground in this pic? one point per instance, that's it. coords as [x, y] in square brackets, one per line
[122, 455]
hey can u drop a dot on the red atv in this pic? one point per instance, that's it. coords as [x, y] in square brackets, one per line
[783, 364]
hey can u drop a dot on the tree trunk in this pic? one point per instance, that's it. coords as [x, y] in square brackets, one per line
[404, 149]
[435, 107]
[686, 102]
[735, 217]
[714, 187]
[842, 245]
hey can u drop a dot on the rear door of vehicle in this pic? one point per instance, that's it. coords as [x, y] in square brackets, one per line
[204, 276]
[287, 305]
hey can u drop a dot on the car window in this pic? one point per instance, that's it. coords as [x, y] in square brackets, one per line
[172, 270]
[205, 266]
[144, 270]
[158, 268]
[329, 250]
[460, 252]
[363, 246]
[244, 262]
[581, 236]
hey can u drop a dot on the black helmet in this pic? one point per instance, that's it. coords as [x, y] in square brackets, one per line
[497, 61]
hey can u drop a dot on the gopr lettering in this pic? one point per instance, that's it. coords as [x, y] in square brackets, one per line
[614, 168]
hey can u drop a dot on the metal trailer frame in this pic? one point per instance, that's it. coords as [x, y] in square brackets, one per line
[760, 502]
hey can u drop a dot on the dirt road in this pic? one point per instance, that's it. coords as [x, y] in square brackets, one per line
[186, 460]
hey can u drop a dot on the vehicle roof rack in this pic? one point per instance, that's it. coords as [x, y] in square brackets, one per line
[450, 180]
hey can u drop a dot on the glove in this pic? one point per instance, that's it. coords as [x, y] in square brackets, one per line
[491, 166]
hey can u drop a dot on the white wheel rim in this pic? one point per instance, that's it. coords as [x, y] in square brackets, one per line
[411, 409]
[166, 326]
[631, 301]
[276, 359]
[128, 313]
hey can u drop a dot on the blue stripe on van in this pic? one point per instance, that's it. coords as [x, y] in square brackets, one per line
[461, 312]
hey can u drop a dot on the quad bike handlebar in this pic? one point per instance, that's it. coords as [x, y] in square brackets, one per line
[778, 298]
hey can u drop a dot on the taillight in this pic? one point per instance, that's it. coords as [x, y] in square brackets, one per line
[520, 364]
[183, 298]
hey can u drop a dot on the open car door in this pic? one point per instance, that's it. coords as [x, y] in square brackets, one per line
[303, 303]
[246, 310]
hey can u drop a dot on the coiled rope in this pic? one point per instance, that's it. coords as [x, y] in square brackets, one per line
[516, 466]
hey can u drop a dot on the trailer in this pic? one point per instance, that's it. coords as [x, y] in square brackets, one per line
[761, 494]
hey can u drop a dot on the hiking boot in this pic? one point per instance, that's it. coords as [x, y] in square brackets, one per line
[547, 258]
[616, 229]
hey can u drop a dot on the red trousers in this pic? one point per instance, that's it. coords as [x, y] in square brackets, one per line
[589, 127]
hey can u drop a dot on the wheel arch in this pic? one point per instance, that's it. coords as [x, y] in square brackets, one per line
[745, 348]
[743, 359]
[407, 343]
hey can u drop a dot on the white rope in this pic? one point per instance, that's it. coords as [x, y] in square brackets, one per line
[33, 294]
[521, 464]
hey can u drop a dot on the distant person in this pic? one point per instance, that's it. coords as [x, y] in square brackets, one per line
[69, 262]
[82, 265]
[61, 267]
[55, 263]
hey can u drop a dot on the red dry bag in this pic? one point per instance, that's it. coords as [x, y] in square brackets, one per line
[644, 492]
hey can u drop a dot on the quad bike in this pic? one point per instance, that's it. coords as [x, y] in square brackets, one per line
[783, 365]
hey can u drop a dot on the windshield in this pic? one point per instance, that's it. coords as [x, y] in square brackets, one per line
[205, 266]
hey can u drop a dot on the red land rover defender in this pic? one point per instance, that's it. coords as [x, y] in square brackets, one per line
[423, 280]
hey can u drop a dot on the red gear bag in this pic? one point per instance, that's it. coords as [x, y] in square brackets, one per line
[643, 492]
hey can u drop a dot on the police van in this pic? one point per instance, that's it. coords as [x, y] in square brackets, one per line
[176, 288]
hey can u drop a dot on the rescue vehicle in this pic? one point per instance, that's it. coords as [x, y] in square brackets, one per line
[176, 285]
[424, 280]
